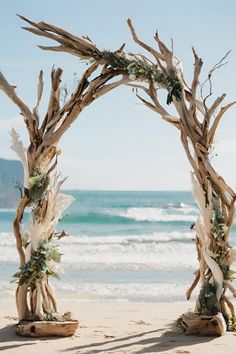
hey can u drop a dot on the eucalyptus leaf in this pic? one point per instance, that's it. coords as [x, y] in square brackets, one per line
[212, 254]
[37, 268]
[230, 275]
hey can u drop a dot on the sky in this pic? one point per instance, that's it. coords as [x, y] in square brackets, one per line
[117, 143]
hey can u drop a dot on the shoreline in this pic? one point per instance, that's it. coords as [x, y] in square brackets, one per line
[116, 328]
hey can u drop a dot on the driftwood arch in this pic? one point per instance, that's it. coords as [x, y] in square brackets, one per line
[196, 122]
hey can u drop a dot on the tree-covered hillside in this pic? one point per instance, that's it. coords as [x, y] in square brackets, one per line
[11, 174]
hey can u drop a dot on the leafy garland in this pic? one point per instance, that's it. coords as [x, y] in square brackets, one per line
[38, 268]
[140, 69]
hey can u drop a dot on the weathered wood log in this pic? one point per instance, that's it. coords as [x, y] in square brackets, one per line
[193, 323]
[47, 328]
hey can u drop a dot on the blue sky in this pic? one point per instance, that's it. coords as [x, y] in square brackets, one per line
[117, 144]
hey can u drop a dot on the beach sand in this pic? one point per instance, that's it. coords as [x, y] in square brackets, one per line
[116, 328]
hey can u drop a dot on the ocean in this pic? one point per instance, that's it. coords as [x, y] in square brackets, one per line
[123, 246]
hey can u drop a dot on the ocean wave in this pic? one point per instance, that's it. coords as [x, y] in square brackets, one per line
[132, 216]
[156, 215]
[7, 210]
[155, 237]
[95, 218]
[75, 291]
[155, 251]
[8, 247]
[128, 252]
[7, 289]
[185, 208]
[130, 261]
[170, 212]
[134, 291]
[8, 239]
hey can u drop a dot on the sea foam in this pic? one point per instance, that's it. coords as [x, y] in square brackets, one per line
[154, 251]
[157, 214]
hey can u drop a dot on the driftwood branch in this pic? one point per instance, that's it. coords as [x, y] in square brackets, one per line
[158, 109]
[193, 286]
[39, 96]
[217, 119]
[197, 69]
[17, 232]
[158, 56]
[215, 105]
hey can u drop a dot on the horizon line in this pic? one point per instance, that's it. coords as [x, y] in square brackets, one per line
[125, 190]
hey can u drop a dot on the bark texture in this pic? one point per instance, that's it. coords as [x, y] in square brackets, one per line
[47, 328]
[203, 325]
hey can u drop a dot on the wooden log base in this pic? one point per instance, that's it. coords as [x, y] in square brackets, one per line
[47, 328]
[193, 323]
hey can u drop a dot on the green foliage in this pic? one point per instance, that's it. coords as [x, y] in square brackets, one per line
[218, 224]
[54, 317]
[141, 70]
[37, 268]
[213, 255]
[224, 268]
[115, 60]
[208, 299]
[38, 186]
[58, 317]
[219, 217]
[233, 324]
[230, 275]
[175, 89]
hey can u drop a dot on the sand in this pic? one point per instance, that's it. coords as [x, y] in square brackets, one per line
[116, 328]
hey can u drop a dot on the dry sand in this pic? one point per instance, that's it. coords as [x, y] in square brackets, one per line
[116, 328]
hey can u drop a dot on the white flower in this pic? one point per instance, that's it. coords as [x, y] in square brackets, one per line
[132, 77]
[156, 85]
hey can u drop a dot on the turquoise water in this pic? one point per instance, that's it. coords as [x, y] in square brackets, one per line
[123, 246]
